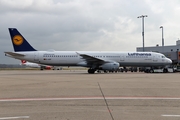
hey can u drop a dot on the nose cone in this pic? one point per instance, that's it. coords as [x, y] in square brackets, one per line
[169, 61]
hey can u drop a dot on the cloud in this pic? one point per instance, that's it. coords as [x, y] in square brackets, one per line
[97, 25]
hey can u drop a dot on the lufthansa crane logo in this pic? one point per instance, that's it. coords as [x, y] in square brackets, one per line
[17, 40]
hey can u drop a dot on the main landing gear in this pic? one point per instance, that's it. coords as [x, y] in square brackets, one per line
[92, 71]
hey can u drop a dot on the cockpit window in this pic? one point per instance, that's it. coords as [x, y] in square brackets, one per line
[163, 57]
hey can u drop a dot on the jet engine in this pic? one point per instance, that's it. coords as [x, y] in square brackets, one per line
[112, 66]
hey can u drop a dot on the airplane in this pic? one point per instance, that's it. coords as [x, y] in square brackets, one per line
[35, 65]
[94, 60]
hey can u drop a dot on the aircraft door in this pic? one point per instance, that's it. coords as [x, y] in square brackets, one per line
[121, 58]
[36, 56]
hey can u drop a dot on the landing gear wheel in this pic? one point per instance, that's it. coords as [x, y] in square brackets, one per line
[91, 71]
[165, 70]
[151, 71]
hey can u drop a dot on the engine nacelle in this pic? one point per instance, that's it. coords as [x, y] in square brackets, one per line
[110, 66]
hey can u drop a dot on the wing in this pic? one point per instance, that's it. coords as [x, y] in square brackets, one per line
[92, 60]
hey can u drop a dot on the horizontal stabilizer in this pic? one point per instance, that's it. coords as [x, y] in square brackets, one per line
[14, 54]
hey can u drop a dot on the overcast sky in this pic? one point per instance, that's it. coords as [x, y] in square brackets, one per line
[88, 25]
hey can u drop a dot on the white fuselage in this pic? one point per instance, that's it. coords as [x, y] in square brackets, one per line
[72, 58]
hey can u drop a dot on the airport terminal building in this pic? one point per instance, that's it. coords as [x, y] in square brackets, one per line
[172, 51]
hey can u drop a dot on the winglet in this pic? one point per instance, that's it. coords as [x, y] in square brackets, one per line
[19, 42]
[78, 53]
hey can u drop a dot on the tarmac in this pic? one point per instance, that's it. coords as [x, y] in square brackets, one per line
[77, 95]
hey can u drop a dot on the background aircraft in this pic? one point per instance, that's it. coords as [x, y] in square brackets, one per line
[35, 65]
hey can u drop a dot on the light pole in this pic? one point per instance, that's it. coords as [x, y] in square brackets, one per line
[142, 16]
[162, 39]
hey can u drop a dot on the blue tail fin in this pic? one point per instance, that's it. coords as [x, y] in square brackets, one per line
[19, 42]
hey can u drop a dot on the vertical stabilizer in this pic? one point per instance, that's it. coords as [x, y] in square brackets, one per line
[20, 44]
